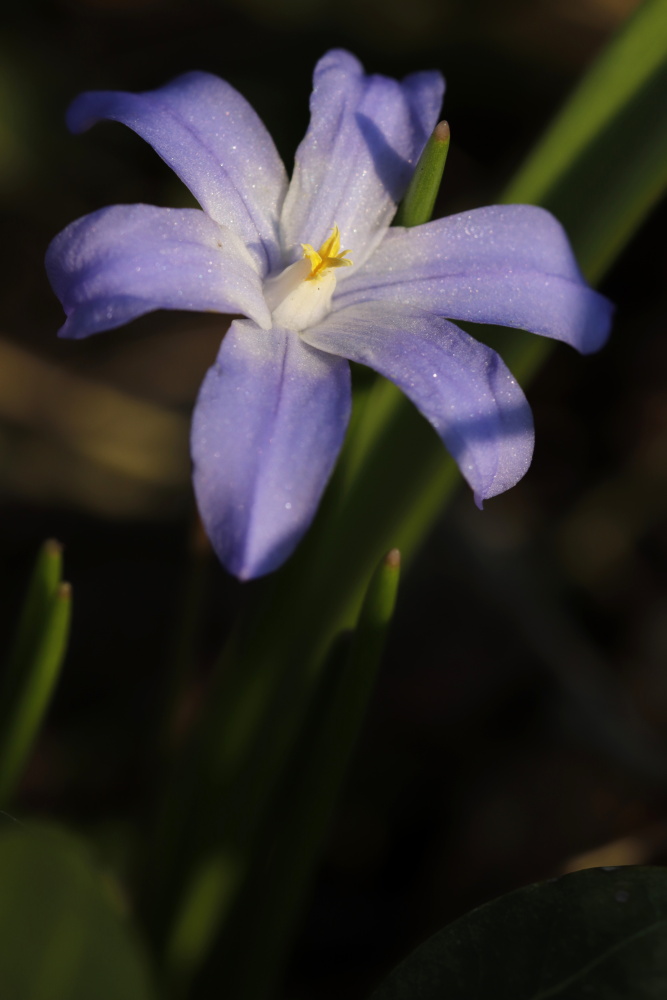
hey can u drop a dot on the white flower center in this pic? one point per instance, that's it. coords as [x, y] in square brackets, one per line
[300, 296]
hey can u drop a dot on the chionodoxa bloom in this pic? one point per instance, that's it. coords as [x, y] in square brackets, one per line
[322, 279]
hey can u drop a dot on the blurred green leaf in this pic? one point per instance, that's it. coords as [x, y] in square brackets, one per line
[34, 664]
[62, 931]
[602, 164]
[280, 863]
[46, 576]
[368, 643]
[595, 933]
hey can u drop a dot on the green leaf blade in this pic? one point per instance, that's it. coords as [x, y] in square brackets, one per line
[46, 575]
[625, 68]
[63, 937]
[598, 932]
[602, 164]
[281, 862]
[278, 857]
[417, 206]
[34, 666]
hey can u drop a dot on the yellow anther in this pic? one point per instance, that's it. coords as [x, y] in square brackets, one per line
[329, 255]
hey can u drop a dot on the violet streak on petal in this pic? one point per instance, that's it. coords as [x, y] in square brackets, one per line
[505, 264]
[462, 387]
[266, 431]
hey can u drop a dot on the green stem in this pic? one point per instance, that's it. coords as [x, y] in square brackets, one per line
[295, 827]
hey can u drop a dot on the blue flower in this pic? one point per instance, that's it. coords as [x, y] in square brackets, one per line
[272, 411]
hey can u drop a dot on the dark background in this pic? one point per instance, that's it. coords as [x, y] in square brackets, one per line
[519, 720]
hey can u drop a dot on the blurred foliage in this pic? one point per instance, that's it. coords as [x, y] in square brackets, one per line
[64, 930]
[483, 765]
[592, 933]
[33, 666]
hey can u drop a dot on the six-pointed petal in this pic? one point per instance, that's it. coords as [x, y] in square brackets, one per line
[505, 264]
[214, 141]
[266, 430]
[116, 264]
[461, 386]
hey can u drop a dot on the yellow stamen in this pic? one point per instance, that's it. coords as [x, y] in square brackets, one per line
[329, 255]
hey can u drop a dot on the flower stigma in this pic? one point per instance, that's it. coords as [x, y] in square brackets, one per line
[300, 296]
[329, 255]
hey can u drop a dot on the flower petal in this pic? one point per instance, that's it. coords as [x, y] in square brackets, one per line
[354, 164]
[211, 137]
[462, 387]
[267, 428]
[118, 263]
[505, 264]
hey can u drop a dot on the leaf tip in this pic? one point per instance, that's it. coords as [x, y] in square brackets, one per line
[393, 559]
[441, 132]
